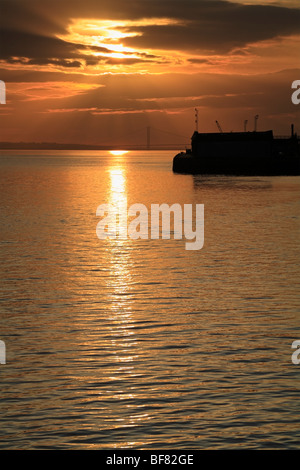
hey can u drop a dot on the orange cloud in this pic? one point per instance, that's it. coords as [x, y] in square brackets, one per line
[32, 91]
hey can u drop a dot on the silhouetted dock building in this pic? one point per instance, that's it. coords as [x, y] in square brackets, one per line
[240, 153]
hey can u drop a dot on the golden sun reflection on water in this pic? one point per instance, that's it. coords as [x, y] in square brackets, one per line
[124, 346]
[119, 256]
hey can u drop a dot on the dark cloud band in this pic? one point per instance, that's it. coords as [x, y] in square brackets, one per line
[28, 28]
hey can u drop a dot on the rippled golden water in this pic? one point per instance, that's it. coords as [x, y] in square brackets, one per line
[140, 343]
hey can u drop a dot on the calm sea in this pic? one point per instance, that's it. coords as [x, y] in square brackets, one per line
[141, 344]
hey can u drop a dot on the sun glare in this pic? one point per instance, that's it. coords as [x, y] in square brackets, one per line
[104, 40]
[102, 34]
[118, 152]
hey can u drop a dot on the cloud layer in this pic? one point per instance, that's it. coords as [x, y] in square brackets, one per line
[30, 29]
[92, 70]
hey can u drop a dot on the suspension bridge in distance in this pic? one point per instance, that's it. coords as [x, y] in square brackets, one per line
[151, 138]
[146, 138]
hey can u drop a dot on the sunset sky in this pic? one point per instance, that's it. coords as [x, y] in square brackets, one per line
[101, 71]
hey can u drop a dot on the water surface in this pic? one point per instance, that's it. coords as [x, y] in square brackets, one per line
[140, 343]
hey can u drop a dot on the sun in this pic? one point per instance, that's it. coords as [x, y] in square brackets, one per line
[104, 35]
[118, 152]
[102, 44]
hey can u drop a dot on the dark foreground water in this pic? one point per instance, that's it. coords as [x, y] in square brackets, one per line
[140, 343]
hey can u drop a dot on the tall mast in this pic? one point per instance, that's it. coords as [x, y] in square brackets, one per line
[196, 119]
